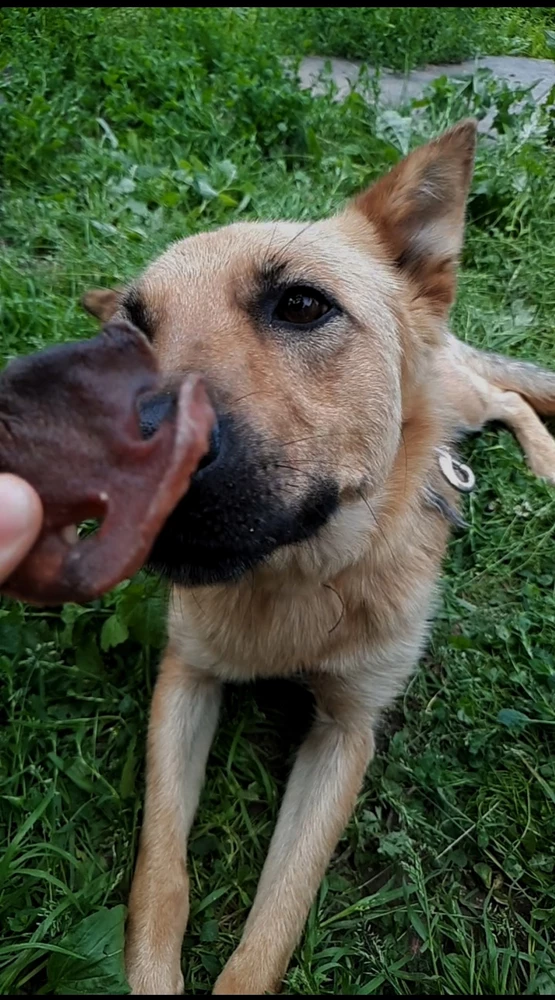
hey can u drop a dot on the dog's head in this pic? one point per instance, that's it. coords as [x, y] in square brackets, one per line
[314, 341]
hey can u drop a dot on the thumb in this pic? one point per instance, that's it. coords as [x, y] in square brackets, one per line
[20, 522]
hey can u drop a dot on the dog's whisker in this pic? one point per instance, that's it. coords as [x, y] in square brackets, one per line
[406, 461]
[310, 437]
[269, 247]
[260, 392]
[279, 262]
[247, 395]
[379, 527]
[310, 461]
[278, 259]
[328, 586]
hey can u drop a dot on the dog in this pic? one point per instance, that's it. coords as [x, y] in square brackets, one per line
[311, 540]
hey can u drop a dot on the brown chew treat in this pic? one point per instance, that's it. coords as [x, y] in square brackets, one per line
[69, 425]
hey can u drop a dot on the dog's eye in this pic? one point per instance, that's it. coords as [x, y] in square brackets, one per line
[301, 306]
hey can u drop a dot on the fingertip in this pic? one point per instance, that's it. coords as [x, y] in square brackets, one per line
[20, 521]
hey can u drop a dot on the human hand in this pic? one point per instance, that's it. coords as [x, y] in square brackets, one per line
[20, 522]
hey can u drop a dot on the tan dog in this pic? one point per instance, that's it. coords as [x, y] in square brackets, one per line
[312, 537]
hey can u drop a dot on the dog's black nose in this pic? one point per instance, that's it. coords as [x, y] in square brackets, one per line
[154, 410]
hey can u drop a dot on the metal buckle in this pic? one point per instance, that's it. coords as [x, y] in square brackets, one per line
[459, 475]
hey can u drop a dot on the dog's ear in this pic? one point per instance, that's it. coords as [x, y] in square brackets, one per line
[102, 302]
[418, 211]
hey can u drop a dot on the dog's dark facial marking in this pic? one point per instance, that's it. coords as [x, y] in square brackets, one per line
[136, 311]
[237, 513]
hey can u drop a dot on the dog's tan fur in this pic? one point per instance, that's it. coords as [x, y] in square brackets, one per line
[370, 401]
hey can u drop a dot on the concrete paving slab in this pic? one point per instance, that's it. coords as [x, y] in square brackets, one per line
[396, 88]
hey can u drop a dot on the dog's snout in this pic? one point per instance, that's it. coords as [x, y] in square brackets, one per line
[154, 410]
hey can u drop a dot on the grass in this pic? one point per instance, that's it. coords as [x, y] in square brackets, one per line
[122, 129]
[404, 37]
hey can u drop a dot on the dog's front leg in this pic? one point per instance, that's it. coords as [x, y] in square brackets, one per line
[183, 718]
[318, 801]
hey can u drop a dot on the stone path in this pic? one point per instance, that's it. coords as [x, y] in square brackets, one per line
[397, 88]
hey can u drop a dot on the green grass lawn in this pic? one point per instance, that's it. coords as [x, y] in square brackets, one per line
[404, 37]
[120, 130]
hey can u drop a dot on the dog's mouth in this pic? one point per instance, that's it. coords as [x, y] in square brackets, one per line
[238, 511]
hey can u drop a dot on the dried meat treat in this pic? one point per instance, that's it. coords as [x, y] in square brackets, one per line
[70, 426]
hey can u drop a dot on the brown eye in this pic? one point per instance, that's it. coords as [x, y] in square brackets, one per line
[302, 306]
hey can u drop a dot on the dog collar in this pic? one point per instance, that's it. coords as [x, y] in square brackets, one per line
[457, 474]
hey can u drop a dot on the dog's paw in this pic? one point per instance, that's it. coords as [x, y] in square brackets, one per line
[227, 986]
[246, 975]
[543, 466]
[151, 980]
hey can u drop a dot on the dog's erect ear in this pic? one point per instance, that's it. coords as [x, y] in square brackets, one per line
[102, 302]
[418, 211]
